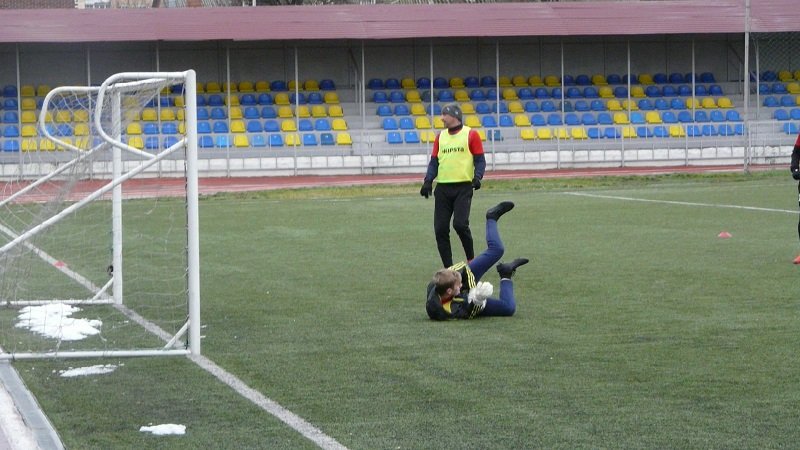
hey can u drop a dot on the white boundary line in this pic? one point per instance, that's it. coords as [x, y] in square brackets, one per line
[674, 202]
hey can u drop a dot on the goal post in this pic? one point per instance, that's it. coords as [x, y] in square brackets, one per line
[84, 239]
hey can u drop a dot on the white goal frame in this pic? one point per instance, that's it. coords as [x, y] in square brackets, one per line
[112, 88]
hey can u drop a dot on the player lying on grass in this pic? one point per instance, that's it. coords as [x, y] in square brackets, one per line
[457, 292]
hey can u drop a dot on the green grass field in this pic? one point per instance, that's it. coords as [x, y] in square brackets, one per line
[636, 326]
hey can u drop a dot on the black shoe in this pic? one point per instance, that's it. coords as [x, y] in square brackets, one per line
[498, 210]
[507, 269]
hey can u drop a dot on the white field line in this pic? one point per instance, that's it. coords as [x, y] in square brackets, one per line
[674, 202]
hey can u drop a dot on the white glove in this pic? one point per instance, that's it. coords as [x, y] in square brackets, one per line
[480, 292]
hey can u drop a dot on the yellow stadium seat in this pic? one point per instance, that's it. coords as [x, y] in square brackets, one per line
[422, 122]
[262, 86]
[80, 115]
[629, 132]
[652, 117]
[232, 100]
[578, 133]
[28, 131]
[285, 112]
[149, 115]
[302, 111]
[200, 87]
[134, 128]
[481, 134]
[552, 81]
[456, 82]
[637, 92]
[412, 96]
[797, 75]
[81, 129]
[241, 140]
[311, 85]
[292, 85]
[510, 94]
[27, 90]
[318, 111]
[28, 104]
[613, 105]
[527, 134]
[288, 125]
[544, 133]
[42, 90]
[504, 81]
[793, 87]
[427, 136]
[472, 121]
[83, 142]
[292, 140]
[29, 145]
[63, 116]
[331, 98]
[408, 83]
[599, 80]
[46, 145]
[560, 133]
[136, 142]
[461, 95]
[335, 111]
[621, 118]
[167, 114]
[521, 120]
[519, 81]
[724, 102]
[229, 86]
[467, 108]
[606, 92]
[237, 126]
[535, 80]
[784, 76]
[344, 138]
[339, 124]
[213, 87]
[515, 107]
[28, 117]
[418, 109]
[48, 117]
[630, 105]
[438, 123]
[708, 103]
[282, 98]
[246, 86]
[676, 131]
[693, 103]
[645, 78]
[181, 114]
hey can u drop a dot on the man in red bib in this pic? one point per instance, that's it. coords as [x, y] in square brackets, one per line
[457, 164]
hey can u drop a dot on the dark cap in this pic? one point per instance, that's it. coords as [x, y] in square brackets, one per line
[453, 110]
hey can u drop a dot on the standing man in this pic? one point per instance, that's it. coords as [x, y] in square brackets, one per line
[457, 164]
[795, 168]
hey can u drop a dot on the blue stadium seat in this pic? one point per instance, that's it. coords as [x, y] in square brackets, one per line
[525, 93]
[10, 117]
[781, 114]
[446, 95]
[423, 83]
[778, 88]
[598, 105]
[588, 119]
[272, 126]
[621, 92]
[660, 78]
[653, 91]
[472, 82]
[669, 117]
[548, 106]
[322, 124]
[150, 128]
[375, 83]
[254, 126]
[206, 141]
[401, 110]
[613, 78]
[396, 97]
[771, 102]
[380, 97]
[701, 116]
[251, 112]
[488, 121]
[591, 92]
[604, 118]
[685, 90]
[634, 79]
[685, 117]
[219, 127]
[709, 130]
[531, 107]
[392, 83]
[169, 141]
[269, 112]
[215, 100]
[538, 120]
[506, 121]
[437, 109]
[646, 104]
[315, 98]
[218, 113]
[310, 139]
[327, 139]
[700, 90]
[258, 140]
[169, 128]
[644, 132]
[483, 108]
[725, 129]
[571, 119]
[574, 92]
[637, 118]
[10, 145]
[488, 81]
[594, 133]
[326, 84]
[406, 123]
[732, 115]
[9, 90]
[201, 100]
[477, 95]
[278, 86]
[716, 116]
[411, 137]
[203, 127]
[676, 78]
[677, 103]
[11, 131]
[384, 111]
[715, 90]
[790, 128]
[389, 123]
[582, 105]
[553, 119]
[669, 91]
[693, 130]
[298, 98]
[541, 93]
[275, 140]
[10, 104]
[612, 133]
[394, 137]
[305, 125]
[152, 143]
[503, 108]
[787, 101]
[265, 99]
[440, 83]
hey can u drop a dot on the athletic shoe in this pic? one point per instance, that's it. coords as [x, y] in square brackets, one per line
[506, 270]
[498, 210]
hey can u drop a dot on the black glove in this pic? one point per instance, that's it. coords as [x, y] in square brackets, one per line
[426, 189]
[796, 174]
[476, 183]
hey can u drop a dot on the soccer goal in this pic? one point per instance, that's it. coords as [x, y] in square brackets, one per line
[99, 244]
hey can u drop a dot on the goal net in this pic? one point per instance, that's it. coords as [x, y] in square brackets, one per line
[98, 223]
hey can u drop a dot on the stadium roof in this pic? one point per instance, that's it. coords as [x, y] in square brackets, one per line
[398, 21]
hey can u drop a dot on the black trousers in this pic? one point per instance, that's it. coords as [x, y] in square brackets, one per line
[453, 201]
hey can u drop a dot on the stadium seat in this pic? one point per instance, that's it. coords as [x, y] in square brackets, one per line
[669, 117]
[644, 132]
[660, 131]
[254, 126]
[310, 140]
[732, 115]
[693, 130]
[422, 123]
[327, 139]
[588, 119]
[272, 126]
[604, 118]
[411, 137]
[275, 140]
[393, 83]
[315, 98]
[344, 138]
[537, 120]
[375, 83]
[629, 132]
[219, 127]
[322, 124]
